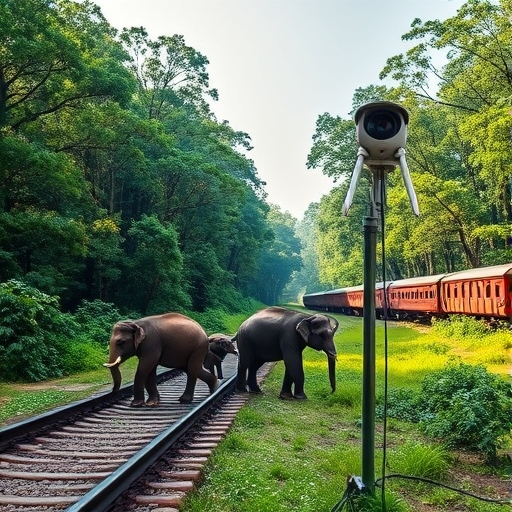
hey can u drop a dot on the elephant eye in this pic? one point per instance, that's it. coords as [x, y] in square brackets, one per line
[120, 342]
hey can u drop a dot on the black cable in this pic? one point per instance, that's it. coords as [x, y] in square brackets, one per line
[384, 477]
[445, 486]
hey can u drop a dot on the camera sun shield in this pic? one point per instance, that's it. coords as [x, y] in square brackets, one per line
[381, 129]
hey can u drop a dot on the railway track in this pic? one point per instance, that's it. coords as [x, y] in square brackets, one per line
[102, 455]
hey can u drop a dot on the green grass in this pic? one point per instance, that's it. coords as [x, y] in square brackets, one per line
[297, 455]
[19, 401]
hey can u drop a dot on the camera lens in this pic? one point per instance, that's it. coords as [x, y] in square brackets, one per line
[382, 124]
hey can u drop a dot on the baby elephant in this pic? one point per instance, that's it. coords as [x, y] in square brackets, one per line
[220, 345]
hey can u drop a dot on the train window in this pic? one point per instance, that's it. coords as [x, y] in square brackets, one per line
[497, 288]
[455, 292]
[447, 291]
[487, 290]
[479, 289]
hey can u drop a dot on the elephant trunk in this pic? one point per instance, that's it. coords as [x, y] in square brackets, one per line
[331, 359]
[116, 373]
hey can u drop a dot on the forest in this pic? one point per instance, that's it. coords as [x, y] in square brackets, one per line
[117, 182]
[121, 192]
[456, 83]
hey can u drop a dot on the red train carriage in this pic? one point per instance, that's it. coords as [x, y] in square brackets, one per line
[348, 301]
[319, 300]
[353, 300]
[380, 299]
[479, 291]
[414, 297]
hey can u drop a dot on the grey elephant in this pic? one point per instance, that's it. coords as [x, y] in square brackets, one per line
[276, 334]
[172, 340]
[220, 345]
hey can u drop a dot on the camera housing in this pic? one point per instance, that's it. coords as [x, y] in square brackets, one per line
[381, 129]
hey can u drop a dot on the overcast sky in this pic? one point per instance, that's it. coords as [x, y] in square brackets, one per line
[279, 64]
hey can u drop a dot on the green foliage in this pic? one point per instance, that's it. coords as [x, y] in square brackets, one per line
[155, 267]
[33, 333]
[38, 342]
[461, 404]
[373, 503]
[402, 404]
[465, 405]
[461, 326]
[96, 319]
[212, 320]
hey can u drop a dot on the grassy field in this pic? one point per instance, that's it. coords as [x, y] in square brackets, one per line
[297, 455]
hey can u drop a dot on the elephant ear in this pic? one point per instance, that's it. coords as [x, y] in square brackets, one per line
[138, 333]
[334, 323]
[304, 328]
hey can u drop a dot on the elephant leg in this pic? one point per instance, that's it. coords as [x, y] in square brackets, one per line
[195, 370]
[295, 373]
[210, 379]
[241, 378]
[286, 388]
[153, 394]
[252, 382]
[138, 388]
[219, 370]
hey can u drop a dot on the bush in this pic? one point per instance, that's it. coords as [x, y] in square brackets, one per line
[462, 405]
[33, 333]
[96, 320]
[81, 356]
[212, 320]
[465, 405]
[461, 326]
[402, 405]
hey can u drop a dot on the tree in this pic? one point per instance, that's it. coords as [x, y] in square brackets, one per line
[152, 280]
[475, 85]
[170, 73]
[55, 55]
[279, 259]
[306, 279]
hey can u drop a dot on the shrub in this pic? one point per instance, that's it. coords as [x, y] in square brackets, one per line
[96, 319]
[212, 320]
[33, 333]
[465, 405]
[461, 326]
[402, 405]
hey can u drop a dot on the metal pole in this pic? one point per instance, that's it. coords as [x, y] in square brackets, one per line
[370, 226]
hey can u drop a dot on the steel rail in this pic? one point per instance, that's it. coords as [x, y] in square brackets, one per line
[65, 412]
[102, 496]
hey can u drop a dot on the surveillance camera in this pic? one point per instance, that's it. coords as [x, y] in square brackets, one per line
[381, 129]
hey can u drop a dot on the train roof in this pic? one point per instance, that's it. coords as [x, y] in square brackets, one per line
[348, 289]
[415, 281]
[480, 273]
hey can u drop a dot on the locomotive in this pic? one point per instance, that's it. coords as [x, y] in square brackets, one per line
[484, 292]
